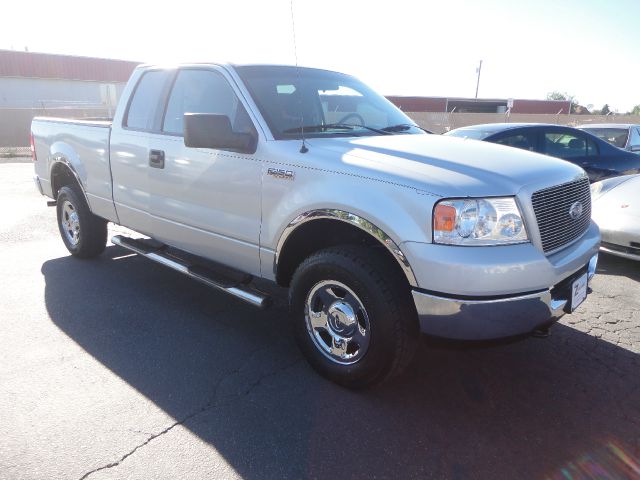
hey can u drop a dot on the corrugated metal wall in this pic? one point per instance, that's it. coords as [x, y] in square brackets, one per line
[34, 84]
[49, 93]
[45, 65]
[21, 99]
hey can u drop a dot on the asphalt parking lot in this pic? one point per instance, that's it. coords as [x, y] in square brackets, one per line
[120, 368]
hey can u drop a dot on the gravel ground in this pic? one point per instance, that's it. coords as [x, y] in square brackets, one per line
[120, 368]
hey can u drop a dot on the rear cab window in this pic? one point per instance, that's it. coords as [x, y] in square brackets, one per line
[147, 101]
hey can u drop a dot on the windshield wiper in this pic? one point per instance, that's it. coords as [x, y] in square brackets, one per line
[337, 126]
[401, 127]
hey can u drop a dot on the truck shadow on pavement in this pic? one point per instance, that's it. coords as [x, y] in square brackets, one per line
[233, 376]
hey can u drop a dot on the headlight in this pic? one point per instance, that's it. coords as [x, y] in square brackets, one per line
[478, 221]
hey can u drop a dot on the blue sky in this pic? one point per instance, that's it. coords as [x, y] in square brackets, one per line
[589, 48]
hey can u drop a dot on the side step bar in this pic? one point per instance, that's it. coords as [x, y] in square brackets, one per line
[239, 290]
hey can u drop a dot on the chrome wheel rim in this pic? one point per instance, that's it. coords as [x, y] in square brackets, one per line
[337, 322]
[70, 223]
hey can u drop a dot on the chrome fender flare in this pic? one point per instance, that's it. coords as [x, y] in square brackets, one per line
[60, 159]
[355, 220]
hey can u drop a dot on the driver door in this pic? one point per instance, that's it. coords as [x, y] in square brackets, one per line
[205, 201]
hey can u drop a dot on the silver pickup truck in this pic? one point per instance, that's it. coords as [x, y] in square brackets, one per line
[310, 179]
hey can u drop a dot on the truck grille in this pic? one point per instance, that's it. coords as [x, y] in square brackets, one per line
[552, 206]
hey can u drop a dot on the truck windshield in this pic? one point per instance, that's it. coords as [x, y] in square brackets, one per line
[321, 103]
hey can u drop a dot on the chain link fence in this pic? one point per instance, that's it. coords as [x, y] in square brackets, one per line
[12, 152]
[15, 123]
[444, 122]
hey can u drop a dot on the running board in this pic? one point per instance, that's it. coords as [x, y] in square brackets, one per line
[238, 289]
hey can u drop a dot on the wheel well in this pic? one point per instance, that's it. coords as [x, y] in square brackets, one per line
[61, 176]
[319, 234]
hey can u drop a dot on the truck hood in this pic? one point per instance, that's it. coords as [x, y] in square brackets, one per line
[447, 166]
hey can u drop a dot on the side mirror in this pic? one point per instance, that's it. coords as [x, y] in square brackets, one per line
[210, 130]
[635, 148]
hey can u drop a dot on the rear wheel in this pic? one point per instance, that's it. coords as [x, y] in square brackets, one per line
[354, 319]
[83, 233]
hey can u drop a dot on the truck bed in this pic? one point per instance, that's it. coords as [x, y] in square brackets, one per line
[83, 146]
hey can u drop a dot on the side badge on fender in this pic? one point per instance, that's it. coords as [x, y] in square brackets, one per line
[281, 173]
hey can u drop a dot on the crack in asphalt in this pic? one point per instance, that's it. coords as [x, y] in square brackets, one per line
[206, 407]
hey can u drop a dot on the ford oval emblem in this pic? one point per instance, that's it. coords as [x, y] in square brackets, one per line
[575, 211]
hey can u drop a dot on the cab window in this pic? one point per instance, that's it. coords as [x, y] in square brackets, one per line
[144, 107]
[203, 91]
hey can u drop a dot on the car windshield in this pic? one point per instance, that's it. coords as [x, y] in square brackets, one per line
[615, 136]
[321, 103]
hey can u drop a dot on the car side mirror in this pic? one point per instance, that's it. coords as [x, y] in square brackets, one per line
[210, 130]
[635, 148]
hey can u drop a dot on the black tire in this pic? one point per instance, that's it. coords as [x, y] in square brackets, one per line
[385, 295]
[91, 237]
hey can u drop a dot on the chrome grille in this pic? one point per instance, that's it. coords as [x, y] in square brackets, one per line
[551, 206]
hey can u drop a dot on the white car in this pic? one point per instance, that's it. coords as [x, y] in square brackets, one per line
[616, 210]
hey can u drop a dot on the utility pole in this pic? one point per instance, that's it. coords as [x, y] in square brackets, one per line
[478, 71]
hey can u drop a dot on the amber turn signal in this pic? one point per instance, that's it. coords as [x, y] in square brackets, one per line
[444, 218]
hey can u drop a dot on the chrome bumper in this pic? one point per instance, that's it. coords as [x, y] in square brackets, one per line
[479, 319]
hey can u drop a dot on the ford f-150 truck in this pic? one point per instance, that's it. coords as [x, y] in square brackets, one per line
[310, 179]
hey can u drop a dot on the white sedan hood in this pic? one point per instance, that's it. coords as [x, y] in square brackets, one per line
[617, 212]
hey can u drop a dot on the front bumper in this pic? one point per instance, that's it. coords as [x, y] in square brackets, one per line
[480, 319]
[620, 236]
[619, 229]
[630, 253]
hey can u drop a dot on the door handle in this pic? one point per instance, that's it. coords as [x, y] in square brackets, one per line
[156, 158]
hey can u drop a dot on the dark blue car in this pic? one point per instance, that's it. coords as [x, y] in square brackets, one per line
[599, 158]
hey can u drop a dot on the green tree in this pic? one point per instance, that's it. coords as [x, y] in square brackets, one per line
[605, 110]
[564, 96]
[555, 95]
[635, 110]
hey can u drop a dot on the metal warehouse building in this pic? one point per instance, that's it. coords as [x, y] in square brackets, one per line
[34, 84]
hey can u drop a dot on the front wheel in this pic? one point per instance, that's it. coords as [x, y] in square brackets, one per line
[83, 233]
[354, 319]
